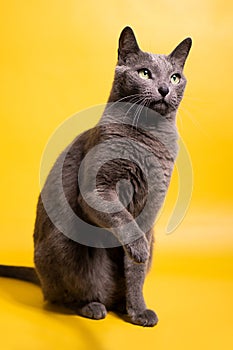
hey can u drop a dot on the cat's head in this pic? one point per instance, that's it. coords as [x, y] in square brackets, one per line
[157, 81]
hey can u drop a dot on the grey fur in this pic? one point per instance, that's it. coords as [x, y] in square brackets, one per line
[88, 279]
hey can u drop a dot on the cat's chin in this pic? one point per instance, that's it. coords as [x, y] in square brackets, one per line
[160, 107]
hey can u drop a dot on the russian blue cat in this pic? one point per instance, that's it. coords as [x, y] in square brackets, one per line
[93, 233]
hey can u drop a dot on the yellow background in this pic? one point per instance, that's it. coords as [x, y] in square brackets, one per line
[57, 58]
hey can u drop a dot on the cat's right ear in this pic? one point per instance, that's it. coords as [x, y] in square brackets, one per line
[127, 44]
[181, 52]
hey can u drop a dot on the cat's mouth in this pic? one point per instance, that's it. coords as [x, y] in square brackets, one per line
[160, 106]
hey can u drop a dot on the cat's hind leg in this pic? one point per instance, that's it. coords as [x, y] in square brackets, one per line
[93, 310]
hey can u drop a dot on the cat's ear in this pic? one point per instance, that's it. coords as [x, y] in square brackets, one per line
[127, 44]
[180, 53]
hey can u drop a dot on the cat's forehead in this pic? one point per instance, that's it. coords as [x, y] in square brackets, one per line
[155, 62]
[159, 62]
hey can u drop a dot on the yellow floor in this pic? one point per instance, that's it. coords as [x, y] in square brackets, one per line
[190, 287]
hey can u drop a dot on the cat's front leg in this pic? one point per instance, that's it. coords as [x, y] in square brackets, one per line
[137, 249]
[135, 304]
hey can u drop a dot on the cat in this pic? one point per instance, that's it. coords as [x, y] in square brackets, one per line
[99, 262]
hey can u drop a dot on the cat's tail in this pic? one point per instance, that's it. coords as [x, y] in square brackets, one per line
[20, 272]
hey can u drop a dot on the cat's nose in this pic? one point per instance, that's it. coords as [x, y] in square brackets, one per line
[163, 90]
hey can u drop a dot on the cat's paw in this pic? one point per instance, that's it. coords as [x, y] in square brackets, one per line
[146, 318]
[138, 250]
[93, 310]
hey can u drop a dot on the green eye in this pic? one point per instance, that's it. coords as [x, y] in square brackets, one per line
[175, 78]
[144, 73]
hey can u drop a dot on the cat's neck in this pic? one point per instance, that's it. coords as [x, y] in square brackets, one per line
[121, 110]
[143, 118]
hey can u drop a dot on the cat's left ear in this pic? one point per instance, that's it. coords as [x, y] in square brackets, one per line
[180, 54]
[127, 44]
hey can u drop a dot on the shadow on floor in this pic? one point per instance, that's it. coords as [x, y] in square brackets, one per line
[27, 295]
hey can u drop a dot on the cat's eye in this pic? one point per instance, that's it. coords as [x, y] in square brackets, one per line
[144, 73]
[175, 78]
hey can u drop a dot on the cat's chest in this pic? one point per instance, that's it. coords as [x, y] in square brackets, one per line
[130, 161]
[137, 166]
[153, 168]
[143, 180]
[147, 157]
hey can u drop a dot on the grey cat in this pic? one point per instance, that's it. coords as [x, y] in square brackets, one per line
[99, 262]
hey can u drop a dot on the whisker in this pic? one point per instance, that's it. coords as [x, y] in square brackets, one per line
[148, 100]
[123, 99]
[194, 98]
[135, 117]
[139, 111]
[132, 105]
[131, 100]
[194, 121]
[180, 118]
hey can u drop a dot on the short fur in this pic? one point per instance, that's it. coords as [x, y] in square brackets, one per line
[91, 280]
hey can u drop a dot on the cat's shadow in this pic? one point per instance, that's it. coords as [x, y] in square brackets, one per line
[30, 296]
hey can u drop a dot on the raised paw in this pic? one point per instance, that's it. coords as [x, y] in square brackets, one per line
[94, 310]
[146, 318]
[138, 250]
